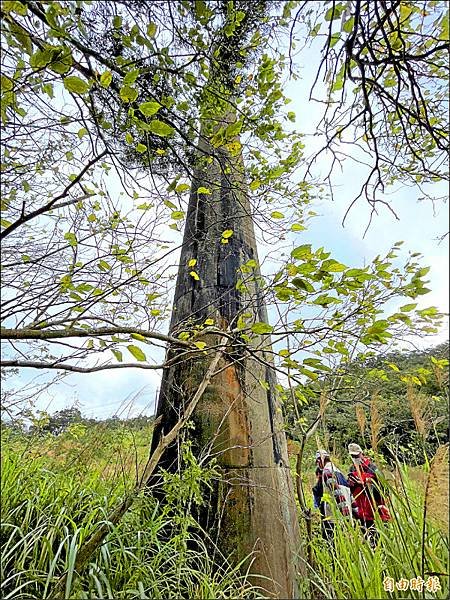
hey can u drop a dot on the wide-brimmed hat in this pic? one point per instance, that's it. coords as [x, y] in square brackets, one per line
[322, 454]
[354, 449]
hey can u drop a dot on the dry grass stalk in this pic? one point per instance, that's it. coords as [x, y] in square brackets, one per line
[361, 418]
[420, 410]
[437, 490]
[321, 443]
[376, 422]
[440, 374]
[323, 402]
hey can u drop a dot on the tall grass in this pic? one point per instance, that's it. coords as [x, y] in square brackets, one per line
[51, 505]
[408, 548]
[56, 491]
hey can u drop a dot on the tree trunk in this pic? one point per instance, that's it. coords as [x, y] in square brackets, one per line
[252, 510]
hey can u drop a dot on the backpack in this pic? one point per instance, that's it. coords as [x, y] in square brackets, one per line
[341, 489]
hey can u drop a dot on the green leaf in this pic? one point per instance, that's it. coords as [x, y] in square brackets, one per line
[300, 252]
[335, 12]
[141, 148]
[339, 81]
[82, 132]
[261, 328]
[16, 7]
[204, 190]
[227, 234]
[61, 60]
[302, 284]
[177, 215]
[324, 300]
[161, 129]
[334, 39]
[297, 227]
[444, 25]
[200, 345]
[170, 204]
[277, 215]
[71, 238]
[41, 59]
[139, 337]
[104, 266]
[378, 327]
[149, 108]
[128, 93]
[7, 84]
[137, 353]
[21, 36]
[131, 76]
[182, 187]
[316, 364]
[422, 291]
[308, 373]
[393, 366]
[75, 84]
[390, 81]
[118, 355]
[348, 25]
[151, 29]
[332, 266]
[194, 275]
[408, 307]
[105, 79]
[422, 272]
[431, 311]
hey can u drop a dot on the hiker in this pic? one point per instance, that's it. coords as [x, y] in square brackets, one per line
[331, 480]
[365, 488]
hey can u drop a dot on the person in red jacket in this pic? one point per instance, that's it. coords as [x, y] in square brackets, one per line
[365, 487]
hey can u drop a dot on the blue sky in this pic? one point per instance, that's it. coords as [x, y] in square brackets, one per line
[133, 391]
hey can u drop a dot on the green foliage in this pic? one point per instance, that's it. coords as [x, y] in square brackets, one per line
[389, 377]
[53, 500]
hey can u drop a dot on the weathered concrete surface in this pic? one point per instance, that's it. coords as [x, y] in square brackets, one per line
[238, 420]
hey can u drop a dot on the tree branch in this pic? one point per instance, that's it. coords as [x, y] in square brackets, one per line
[39, 211]
[44, 334]
[29, 364]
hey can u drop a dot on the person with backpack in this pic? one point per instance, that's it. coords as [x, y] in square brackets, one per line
[331, 480]
[366, 491]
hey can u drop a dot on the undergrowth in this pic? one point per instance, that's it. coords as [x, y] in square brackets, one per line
[412, 547]
[50, 508]
[57, 490]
